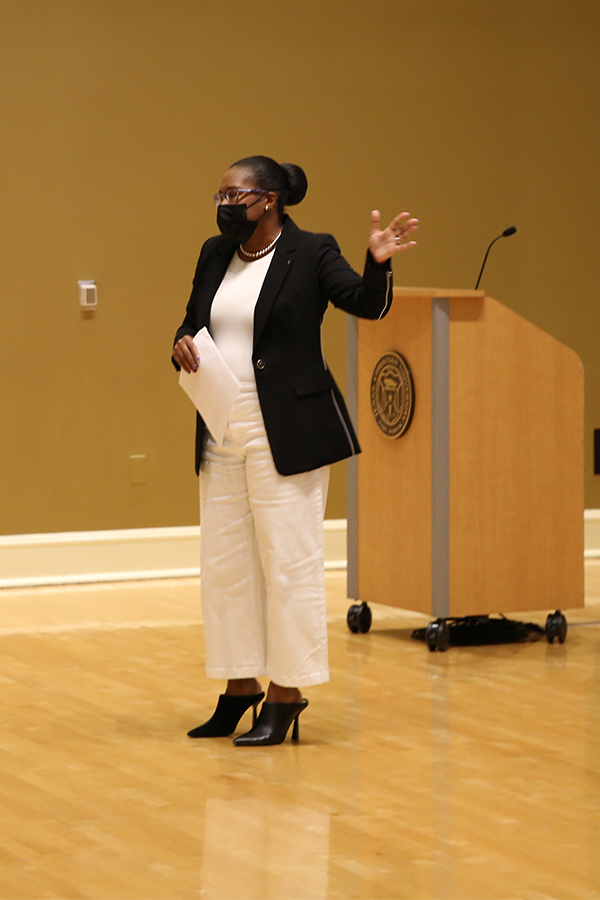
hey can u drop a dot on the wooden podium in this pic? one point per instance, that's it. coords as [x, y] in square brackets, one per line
[478, 507]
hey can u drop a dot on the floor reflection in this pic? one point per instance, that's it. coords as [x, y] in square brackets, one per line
[274, 851]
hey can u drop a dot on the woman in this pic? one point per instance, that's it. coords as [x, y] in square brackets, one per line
[261, 288]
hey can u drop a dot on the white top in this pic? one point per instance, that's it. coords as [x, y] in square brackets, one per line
[232, 313]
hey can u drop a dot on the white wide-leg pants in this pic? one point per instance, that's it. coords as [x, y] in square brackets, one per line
[262, 558]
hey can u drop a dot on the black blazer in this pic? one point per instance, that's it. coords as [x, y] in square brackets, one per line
[305, 416]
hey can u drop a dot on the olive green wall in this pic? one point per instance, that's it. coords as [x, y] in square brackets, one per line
[118, 119]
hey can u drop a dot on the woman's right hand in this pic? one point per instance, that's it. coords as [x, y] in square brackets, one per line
[185, 354]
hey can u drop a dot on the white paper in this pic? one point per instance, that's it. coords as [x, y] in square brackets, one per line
[213, 388]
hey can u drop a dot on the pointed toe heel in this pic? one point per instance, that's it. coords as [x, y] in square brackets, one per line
[226, 716]
[273, 724]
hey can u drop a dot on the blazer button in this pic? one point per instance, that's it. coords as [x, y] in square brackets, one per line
[260, 363]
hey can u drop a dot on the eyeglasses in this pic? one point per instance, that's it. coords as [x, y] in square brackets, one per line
[233, 195]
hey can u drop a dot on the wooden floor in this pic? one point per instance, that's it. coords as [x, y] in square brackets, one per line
[468, 774]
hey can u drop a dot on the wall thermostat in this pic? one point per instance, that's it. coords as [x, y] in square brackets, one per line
[88, 295]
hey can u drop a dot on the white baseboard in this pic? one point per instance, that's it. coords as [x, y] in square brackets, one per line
[592, 533]
[80, 557]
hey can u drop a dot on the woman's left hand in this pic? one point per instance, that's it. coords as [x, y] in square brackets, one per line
[393, 239]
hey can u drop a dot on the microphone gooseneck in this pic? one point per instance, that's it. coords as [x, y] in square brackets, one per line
[506, 233]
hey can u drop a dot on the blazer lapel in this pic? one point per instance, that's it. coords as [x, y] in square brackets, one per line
[283, 260]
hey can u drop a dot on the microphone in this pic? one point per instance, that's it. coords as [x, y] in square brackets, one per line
[506, 233]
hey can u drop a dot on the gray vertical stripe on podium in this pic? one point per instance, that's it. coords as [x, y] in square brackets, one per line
[440, 457]
[352, 463]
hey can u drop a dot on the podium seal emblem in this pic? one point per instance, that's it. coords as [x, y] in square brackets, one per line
[392, 394]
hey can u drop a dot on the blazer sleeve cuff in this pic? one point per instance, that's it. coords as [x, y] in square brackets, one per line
[372, 263]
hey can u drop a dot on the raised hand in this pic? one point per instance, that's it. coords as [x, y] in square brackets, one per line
[394, 238]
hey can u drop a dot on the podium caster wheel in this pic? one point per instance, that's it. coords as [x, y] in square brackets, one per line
[437, 635]
[556, 627]
[359, 618]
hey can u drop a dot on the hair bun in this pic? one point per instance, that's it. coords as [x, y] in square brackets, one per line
[298, 183]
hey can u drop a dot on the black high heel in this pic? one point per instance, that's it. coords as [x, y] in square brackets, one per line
[272, 724]
[228, 713]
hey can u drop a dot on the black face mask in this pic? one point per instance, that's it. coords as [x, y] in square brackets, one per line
[233, 223]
